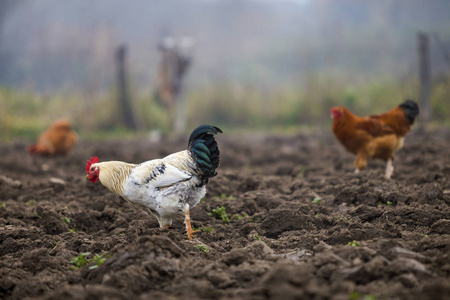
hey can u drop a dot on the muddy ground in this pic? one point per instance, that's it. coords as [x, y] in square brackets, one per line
[367, 237]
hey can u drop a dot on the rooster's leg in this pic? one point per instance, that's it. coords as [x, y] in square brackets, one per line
[389, 169]
[189, 230]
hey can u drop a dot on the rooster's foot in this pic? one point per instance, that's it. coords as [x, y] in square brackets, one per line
[190, 232]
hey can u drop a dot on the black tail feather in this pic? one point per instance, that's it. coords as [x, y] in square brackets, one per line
[203, 148]
[411, 110]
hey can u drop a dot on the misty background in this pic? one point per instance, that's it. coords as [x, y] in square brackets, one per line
[254, 63]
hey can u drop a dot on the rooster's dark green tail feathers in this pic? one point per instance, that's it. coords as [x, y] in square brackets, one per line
[411, 110]
[203, 148]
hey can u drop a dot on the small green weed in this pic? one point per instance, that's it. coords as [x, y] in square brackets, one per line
[224, 196]
[238, 216]
[3, 204]
[354, 295]
[389, 203]
[31, 202]
[220, 214]
[98, 259]
[354, 244]
[202, 248]
[357, 296]
[82, 260]
[316, 200]
[303, 171]
[66, 219]
[72, 230]
[206, 229]
[316, 215]
[256, 237]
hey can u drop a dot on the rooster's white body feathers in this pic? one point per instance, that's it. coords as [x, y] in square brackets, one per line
[167, 187]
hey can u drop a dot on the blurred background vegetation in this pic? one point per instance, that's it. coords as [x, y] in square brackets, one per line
[257, 65]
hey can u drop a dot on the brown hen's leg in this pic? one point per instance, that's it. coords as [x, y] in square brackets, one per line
[389, 169]
[190, 232]
[360, 162]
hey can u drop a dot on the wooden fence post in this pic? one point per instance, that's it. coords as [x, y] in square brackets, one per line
[424, 75]
[175, 62]
[123, 97]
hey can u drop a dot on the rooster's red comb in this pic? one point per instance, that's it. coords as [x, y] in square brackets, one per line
[94, 159]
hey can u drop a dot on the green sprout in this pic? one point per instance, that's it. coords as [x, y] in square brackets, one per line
[220, 214]
[316, 200]
[98, 259]
[316, 215]
[354, 295]
[72, 230]
[303, 170]
[238, 216]
[256, 237]
[389, 203]
[224, 196]
[206, 229]
[66, 219]
[354, 244]
[3, 204]
[81, 260]
[357, 296]
[202, 248]
[31, 202]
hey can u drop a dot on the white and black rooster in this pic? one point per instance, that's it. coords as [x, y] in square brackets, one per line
[169, 186]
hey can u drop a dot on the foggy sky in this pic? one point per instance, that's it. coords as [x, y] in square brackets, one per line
[69, 45]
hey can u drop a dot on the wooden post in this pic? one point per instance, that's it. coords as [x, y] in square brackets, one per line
[424, 75]
[175, 62]
[124, 100]
[181, 119]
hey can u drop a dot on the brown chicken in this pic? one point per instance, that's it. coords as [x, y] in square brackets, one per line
[58, 139]
[376, 136]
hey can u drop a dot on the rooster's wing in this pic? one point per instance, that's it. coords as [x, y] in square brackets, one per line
[159, 174]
